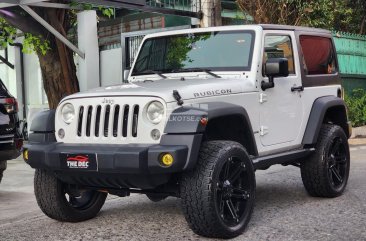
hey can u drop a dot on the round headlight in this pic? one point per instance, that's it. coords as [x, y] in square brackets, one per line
[68, 113]
[155, 112]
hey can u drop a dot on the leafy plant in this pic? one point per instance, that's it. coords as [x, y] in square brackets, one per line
[356, 103]
[7, 33]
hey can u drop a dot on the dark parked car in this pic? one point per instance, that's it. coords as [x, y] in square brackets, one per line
[11, 140]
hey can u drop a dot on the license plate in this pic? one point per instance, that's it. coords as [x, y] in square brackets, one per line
[79, 162]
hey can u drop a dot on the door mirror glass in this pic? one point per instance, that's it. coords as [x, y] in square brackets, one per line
[276, 67]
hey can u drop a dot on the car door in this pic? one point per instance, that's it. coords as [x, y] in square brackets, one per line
[281, 106]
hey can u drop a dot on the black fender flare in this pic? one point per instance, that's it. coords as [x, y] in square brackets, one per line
[317, 114]
[43, 127]
[187, 119]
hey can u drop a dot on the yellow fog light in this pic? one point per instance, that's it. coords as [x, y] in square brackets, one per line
[25, 154]
[166, 160]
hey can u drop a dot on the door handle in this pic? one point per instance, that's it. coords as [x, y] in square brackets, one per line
[297, 88]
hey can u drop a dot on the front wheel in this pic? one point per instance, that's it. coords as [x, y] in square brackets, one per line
[63, 202]
[218, 195]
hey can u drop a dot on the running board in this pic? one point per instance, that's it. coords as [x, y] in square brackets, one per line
[264, 162]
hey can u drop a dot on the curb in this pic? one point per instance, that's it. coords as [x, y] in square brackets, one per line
[357, 141]
[359, 132]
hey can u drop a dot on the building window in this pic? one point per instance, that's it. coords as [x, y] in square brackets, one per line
[279, 46]
[319, 56]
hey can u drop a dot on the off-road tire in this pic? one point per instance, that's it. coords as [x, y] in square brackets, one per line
[197, 190]
[3, 165]
[49, 192]
[315, 171]
[156, 197]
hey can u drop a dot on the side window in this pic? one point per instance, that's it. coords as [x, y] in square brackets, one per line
[279, 46]
[319, 56]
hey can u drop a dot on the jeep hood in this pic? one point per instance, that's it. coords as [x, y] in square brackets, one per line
[188, 89]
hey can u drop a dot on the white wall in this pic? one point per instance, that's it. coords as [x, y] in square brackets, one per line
[111, 67]
[36, 99]
[88, 43]
[8, 75]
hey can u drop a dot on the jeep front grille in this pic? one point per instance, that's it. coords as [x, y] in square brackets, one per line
[108, 121]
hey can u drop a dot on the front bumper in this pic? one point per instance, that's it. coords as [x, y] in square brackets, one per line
[120, 159]
[119, 166]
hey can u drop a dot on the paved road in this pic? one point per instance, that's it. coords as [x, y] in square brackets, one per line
[283, 211]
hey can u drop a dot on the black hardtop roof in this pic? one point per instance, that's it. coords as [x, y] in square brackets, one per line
[294, 28]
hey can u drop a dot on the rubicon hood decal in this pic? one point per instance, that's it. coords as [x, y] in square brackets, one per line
[212, 93]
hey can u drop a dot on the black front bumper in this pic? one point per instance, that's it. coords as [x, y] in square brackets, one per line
[119, 166]
[121, 159]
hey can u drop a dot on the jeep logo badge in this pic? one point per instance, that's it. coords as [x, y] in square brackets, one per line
[108, 101]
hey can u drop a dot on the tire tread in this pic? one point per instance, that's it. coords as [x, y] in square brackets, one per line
[52, 202]
[313, 172]
[197, 200]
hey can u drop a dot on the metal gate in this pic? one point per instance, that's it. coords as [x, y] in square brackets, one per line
[130, 43]
[351, 50]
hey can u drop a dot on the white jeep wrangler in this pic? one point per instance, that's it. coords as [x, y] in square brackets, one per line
[203, 109]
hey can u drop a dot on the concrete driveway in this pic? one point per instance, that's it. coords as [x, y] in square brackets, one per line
[283, 211]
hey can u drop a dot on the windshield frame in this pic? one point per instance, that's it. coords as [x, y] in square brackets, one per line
[219, 69]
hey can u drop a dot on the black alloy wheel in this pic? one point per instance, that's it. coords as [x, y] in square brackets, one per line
[326, 172]
[218, 195]
[233, 191]
[63, 202]
[337, 163]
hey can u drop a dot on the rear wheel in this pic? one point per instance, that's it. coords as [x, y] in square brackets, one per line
[63, 202]
[218, 195]
[3, 165]
[326, 173]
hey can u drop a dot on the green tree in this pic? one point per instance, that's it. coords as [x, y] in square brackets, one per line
[338, 15]
[57, 66]
[56, 59]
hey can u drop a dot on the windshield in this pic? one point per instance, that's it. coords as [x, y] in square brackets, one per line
[213, 51]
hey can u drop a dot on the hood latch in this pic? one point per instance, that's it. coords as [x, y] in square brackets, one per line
[177, 97]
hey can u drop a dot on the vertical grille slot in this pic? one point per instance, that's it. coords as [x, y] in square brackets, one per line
[115, 121]
[80, 121]
[88, 120]
[135, 120]
[125, 120]
[106, 120]
[97, 120]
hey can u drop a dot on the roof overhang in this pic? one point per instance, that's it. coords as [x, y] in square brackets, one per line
[139, 5]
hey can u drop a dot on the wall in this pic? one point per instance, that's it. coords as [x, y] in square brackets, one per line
[36, 99]
[111, 67]
[8, 75]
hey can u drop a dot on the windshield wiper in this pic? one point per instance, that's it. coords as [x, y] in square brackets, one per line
[207, 71]
[150, 71]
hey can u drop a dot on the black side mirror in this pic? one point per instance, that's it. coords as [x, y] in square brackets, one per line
[276, 67]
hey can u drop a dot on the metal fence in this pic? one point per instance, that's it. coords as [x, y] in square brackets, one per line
[351, 50]
[183, 5]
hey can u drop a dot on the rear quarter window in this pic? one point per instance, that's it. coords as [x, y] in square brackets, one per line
[319, 55]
